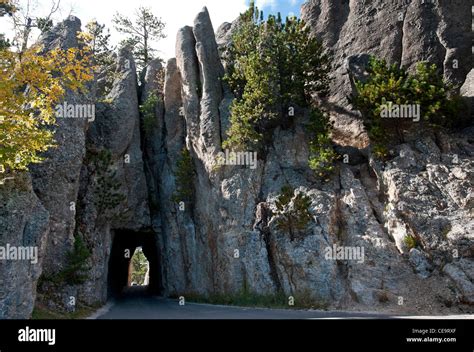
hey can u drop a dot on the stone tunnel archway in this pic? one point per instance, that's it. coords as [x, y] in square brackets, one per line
[124, 243]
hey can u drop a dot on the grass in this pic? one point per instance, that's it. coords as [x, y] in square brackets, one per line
[410, 242]
[42, 313]
[253, 300]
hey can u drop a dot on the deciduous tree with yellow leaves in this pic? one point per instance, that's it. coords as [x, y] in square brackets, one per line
[32, 84]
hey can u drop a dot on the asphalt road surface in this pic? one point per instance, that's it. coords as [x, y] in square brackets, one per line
[140, 306]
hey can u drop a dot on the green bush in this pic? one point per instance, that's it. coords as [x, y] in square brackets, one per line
[184, 178]
[389, 84]
[75, 269]
[75, 272]
[293, 212]
[410, 242]
[272, 65]
[322, 154]
[148, 110]
[107, 187]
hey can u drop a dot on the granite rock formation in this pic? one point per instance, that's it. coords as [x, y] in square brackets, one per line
[228, 239]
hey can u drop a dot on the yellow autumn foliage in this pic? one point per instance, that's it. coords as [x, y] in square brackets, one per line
[31, 86]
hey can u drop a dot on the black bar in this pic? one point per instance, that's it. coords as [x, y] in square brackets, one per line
[315, 335]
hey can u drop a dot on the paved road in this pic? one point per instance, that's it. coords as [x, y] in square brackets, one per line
[146, 307]
[159, 308]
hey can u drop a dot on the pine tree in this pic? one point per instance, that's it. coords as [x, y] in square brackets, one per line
[98, 39]
[388, 84]
[142, 30]
[185, 175]
[272, 66]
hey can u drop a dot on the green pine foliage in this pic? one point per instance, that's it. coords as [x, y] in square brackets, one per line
[272, 65]
[4, 42]
[390, 84]
[293, 212]
[97, 37]
[107, 190]
[148, 110]
[185, 175]
[99, 41]
[44, 24]
[322, 154]
[142, 31]
[75, 272]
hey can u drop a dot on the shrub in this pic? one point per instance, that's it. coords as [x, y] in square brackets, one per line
[107, 186]
[293, 212]
[184, 178]
[322, 154]
[393, 85]
[148, 110]
[75, 272]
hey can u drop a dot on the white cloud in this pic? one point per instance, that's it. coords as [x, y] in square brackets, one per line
[175, 13]
[263, 4]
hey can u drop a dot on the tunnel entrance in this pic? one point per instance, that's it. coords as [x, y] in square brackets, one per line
[125, 245]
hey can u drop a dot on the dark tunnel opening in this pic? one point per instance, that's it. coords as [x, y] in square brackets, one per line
[124, 245]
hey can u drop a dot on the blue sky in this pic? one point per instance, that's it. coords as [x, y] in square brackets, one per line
[175, 13]
[286, 7]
